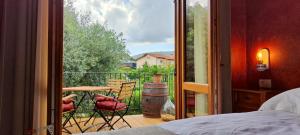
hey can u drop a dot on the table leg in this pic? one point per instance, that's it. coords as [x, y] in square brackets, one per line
[78, 104]
[92, 96]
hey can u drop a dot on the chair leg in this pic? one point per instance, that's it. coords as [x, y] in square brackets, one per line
[77, 124]
[70, 123]
[110, 120]
[121, 118]
[68, 118]
[90, 118]
[107, 122]
[126, 123]
[67, 131]
[93, 120]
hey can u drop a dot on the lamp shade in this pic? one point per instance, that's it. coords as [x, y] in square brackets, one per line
[263, 59]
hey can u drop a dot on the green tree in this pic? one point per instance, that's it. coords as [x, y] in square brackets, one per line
[89, 47]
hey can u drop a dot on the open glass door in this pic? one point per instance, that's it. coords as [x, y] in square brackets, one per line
[195, 70]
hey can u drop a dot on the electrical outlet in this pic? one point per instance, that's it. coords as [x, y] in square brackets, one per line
[265, 83]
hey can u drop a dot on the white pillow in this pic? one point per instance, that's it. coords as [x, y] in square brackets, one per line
[288, 101]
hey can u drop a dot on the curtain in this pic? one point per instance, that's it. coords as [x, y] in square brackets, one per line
[17, 65]
[41, 72]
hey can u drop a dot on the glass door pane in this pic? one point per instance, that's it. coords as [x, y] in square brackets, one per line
[196, 48]
[196, 92]
[196, 104]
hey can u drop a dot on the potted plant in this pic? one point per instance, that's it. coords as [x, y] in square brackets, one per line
[157, 75]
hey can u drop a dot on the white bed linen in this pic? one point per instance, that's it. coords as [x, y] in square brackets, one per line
[288, 101]
[251, 123]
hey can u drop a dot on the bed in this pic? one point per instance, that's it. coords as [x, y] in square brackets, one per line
[279, 115]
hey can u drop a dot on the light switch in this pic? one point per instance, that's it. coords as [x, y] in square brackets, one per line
[265, 83]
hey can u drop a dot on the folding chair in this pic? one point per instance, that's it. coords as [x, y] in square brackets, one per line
[69, 109]
[116, 106]
[115, 86]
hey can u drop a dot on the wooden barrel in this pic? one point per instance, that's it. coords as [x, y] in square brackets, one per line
[154, 97]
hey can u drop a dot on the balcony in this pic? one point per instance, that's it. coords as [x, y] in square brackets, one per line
[134, 116]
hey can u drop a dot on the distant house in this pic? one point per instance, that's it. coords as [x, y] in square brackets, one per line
[155, 59]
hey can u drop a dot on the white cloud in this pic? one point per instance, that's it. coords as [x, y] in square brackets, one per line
[153, 20]
[141, 21]
[203, 3]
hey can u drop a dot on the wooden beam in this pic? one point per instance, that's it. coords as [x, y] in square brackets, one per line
[178, 86]
[55, 64]
[199, 88]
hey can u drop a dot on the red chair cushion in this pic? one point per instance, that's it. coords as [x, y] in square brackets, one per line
[67, 101]
[111, 105]
[103, 98]
[68, 107]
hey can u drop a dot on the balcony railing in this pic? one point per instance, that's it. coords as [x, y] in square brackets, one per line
[101, 79]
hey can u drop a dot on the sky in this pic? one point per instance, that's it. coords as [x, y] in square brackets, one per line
[147, 25]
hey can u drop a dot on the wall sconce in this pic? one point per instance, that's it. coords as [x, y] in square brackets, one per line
[263, 60]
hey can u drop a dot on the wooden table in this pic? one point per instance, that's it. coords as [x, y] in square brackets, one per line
[87, 90]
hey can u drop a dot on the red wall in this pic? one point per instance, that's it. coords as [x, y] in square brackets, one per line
[238, 43]
[273, 24]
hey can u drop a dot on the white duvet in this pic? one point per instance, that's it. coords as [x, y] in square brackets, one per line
[279, 115]
[252, 123]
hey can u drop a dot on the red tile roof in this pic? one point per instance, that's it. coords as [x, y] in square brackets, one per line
[161, 56]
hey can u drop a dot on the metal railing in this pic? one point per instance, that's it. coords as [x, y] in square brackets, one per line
[101, 79]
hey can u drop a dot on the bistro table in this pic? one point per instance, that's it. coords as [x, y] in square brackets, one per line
[87, 91]
[87, 88]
